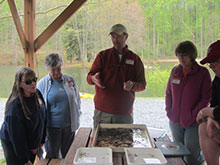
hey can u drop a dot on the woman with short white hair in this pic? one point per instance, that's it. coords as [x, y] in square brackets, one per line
[63, 103]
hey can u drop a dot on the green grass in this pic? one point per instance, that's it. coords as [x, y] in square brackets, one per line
[156, 79]
[2, 161]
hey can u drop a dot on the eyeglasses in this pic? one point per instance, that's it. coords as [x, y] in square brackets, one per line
[28, 82]
[182, 55]
[213, 64]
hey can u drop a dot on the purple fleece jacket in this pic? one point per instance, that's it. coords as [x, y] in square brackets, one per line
[186, 96]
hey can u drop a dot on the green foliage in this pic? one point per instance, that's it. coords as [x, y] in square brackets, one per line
[6, 81]
[77, 41]
[169, 22]
[71, 44]
[2, 161]
[156, 78]
[155, 26]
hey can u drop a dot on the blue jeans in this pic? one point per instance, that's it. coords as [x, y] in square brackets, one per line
[11, 157]
[58, 140]
[190, 138]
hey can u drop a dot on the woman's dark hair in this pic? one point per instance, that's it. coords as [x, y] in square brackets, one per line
[188, 48]
[18, 92]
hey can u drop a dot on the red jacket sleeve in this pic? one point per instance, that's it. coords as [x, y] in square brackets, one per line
[96, 67]
[140, 82]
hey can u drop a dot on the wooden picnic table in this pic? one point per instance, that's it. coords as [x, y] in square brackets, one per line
[82, 139]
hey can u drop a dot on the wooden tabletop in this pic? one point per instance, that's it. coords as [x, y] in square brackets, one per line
[82, 139]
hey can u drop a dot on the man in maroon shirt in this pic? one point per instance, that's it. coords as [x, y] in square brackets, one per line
[117, 74]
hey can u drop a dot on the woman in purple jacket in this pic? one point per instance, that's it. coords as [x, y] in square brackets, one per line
[188, 91]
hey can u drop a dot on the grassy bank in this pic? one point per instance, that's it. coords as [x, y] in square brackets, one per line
[156, 75]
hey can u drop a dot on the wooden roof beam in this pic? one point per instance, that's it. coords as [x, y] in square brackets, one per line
[18, 25]
[57, 23]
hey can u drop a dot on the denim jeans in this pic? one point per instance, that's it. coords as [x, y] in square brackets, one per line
[190, 138]
[11, 157]
[58, 140]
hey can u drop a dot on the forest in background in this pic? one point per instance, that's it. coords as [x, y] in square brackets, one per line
[155, 27]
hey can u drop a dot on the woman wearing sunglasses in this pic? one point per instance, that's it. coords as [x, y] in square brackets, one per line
[62, 100]
[22, 132]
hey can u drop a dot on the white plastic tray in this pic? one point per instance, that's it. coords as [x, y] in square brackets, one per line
[141, 156]
[93, 156]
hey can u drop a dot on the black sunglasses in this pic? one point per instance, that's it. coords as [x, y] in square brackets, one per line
[28, 82]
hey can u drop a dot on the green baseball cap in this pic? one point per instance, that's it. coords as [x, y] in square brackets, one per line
[119, 29]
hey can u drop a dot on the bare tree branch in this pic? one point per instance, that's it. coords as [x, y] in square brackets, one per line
[52, 9]
[43, 12]
[187, 27]
[1, 2]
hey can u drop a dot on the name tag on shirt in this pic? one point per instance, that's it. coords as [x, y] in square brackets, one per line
[129, 61]
[176, 81]
[69, 83]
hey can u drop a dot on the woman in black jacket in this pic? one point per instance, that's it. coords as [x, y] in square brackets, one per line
[23, 129]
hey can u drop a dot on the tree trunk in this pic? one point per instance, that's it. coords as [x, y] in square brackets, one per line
[78, 38]
[14, 45]
[154, 35]
[201, 39]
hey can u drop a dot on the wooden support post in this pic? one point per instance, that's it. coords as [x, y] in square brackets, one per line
[29, 31]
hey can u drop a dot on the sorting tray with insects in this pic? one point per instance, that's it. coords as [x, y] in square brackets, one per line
[120, 136]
